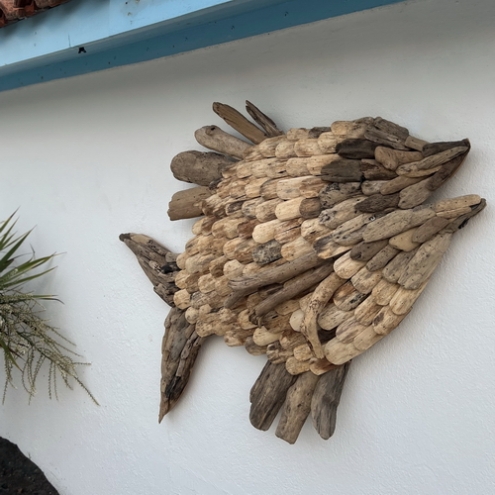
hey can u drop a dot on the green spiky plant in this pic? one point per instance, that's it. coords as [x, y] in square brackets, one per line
[27, 340]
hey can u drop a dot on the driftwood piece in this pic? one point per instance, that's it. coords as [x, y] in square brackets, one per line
[263, 120]
[238, 122]
[326, 399]
[213, 138]
[187, 203]
[297, 407]
[268, 394]
[180, 348]
[157, 262]
[201, 168]
[293, 288]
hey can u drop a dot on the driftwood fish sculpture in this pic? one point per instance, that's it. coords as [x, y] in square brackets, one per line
[311, 246]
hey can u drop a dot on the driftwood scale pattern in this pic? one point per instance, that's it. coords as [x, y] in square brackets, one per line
[311, 246]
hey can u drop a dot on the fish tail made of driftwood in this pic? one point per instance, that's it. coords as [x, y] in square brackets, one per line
[310, 246]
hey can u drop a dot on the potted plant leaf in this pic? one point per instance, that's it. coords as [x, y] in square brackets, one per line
[27, 339]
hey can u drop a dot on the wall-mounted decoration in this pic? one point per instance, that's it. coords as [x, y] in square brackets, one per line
[311, 246]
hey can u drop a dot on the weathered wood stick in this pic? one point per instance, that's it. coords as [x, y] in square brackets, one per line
[199, 167]
[213, 138]
[180, 348]
[263, 120]
[297, 407]
[238, 122]
[319, 299]
[326, 399]
[294, 287]
[187, 203]
[268, 394]
[157, 262]
[277, 274]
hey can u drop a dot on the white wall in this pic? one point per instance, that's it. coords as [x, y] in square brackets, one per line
[87, 159]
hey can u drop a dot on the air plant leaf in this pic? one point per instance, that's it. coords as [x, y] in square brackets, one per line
[26, 338]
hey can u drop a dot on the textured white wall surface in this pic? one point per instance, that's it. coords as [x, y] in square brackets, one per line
[86, 159]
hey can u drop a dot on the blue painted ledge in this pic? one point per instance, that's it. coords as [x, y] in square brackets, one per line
[90, 35]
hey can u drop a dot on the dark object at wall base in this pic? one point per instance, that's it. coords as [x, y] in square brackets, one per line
[20, 475]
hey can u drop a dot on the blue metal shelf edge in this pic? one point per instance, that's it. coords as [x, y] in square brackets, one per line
[213, 27]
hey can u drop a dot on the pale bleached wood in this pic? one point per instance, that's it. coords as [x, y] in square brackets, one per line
[396, 185]
[383, 292]
[331, 317]
[395, 268]
[403, 300]
[415, 143]
[364, 280]
[265, 232]
[456, 203]
[365, 313]
[268, 394]
[386, 321]
[311, 229]
[249, 206]
[339, 353]
[297, 407]
[336, 192]
[385, 227]
[430, 228]
[180, 348]
[319, 299]
[288, 210]
[349, 330]
[296, 320]
[391, 158]
[285, 150]
[431, 162]
[347, 298]
[415, 194]
[293, 288]
[326, 399]
[238, 122]
[403, 241]
[345, 267]
[365, 251]
[213, 138]
[326, 248]
[424, 262]
[341, 212]
[288, 231]
[327, 141]
[267, 210]
[307, 147]
[316, 163]
[295, 249]
[297, 167]
[276, 274]
[296, 367]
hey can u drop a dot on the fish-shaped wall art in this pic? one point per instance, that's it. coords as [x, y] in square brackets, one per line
[311, 246]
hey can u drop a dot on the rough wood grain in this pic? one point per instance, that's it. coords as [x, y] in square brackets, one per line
[297, 407]
[157, 262]
[265, 122]
[213, 138]
[238, 122]
[268, 394]
[201, 168]
[180, 348]
[326, 399]
[187, 203]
